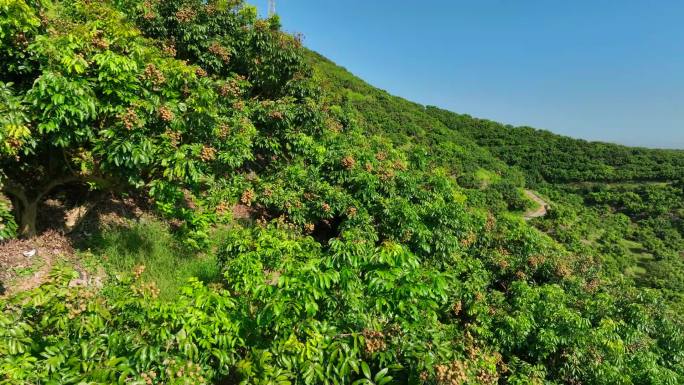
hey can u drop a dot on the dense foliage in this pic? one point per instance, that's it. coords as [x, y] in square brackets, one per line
[381, 245]
[86, 98]
[555, 158]
[632, 217]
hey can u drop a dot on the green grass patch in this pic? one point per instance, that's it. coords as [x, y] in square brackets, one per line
[150, 243]
[638, 256]
[486, 177]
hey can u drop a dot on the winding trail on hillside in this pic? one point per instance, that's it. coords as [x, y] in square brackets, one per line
[538, 212]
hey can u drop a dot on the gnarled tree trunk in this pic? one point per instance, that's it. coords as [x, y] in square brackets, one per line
[27, 216]
[26, 203]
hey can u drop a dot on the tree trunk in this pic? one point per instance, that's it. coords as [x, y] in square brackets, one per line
[26, 202]
[27, 219]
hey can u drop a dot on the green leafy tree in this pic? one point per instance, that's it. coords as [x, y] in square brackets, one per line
[95, 102]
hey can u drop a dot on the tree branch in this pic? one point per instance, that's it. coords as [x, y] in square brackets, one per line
[16, 190]
[46, 188]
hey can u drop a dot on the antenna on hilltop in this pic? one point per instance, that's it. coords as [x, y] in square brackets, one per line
[271, 8]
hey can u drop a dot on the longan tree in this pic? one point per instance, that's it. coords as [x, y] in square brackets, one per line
[146, 98]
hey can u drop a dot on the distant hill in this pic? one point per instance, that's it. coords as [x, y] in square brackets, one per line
[541, 154]
[556, 158]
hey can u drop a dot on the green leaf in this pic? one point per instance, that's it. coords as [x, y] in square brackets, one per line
[366, 370]
[379, 375]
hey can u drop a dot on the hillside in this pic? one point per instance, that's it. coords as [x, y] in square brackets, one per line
[410, 125]
[195, 198]
[621, 203]
[545, 156]
[400, 120]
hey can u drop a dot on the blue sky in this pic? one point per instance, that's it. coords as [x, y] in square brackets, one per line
[599, 70]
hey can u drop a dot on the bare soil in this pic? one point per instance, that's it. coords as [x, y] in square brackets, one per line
[538, 212]
[63, 225]
[19, 270]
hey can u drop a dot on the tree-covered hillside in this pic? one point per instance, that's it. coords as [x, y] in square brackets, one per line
[556, 158]
[630, 215]
[325, 231]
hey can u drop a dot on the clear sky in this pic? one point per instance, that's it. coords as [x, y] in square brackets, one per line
[593, 69]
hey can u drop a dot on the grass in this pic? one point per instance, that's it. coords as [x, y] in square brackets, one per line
[486, 177]
[149, 242]
[639, 257]
[27, 271]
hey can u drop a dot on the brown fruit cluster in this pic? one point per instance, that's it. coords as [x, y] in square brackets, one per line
[275, 114]
[138, 271]
[149, 377]
[592, 285]
[224, 130]
[247, 197]
[130, 119]
[79, 304]
[502, 263]
[469, 239]
[454, 373]
[535, 261]
[381, 156]
[99, 42]
[239, 105]
[75, 309]
[146, 288]
[169, 49]
[165, 114]
[326, 207]
[210, 8]
[153, 74]
[220, 51]
[386, 175]
[424, 376]
[503, 251]
[200, 72]
[348, 162]
[309, 228]
[20, 39]
[231, 89]
[186, 14]
[487, 378]
[351, 212]
[491, 222]
[193, 371]
[222, 208]
[149, 13]
[457, 307]
[208, 153]
[563, 270]
[14, 143]
[400, 165]
[375, 341]
[175, 137]
[334, 125]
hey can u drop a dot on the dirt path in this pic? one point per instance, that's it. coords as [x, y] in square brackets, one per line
[540, 211]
